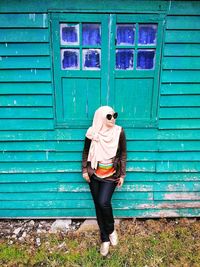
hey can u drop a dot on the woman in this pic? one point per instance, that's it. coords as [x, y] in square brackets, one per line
[104, 168]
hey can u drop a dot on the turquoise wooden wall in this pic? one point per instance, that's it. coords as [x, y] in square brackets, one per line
[40, 164]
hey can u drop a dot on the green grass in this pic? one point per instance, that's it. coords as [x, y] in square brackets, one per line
[153, 243]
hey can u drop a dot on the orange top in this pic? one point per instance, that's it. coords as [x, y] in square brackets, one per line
[105, 169]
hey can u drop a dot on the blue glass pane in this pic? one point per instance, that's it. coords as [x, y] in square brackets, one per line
[91, 59]
[147, 34]
[91, 34]
[69, 34]
[125, 34]
[124, 59]
[70, 58]
[145, 59]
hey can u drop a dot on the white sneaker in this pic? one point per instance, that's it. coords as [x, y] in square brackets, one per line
[104, 249]
[114, 238]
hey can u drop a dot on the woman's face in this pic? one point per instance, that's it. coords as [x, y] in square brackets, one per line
[110, 123]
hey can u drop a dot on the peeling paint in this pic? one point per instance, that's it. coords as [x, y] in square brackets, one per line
[174, 187]
[47, 155]
[132, 169]
[179, 205]
[181, 196]
[190, 170]
[61, 189]
[174, 205]
[32, 17]
[166, 213]
[182, 146]
[170, 2]
[44, 18]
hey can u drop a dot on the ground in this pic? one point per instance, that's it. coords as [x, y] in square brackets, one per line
[166, 242]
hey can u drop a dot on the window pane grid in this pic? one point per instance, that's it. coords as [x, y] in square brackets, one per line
[80, 46]
[142, 42]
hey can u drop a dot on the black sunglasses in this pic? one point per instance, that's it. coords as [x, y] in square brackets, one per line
[109, 116]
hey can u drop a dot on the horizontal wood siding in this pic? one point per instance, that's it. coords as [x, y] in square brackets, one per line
[40, 166]
[180, 106]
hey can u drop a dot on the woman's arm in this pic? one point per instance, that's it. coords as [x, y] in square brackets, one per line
[123, 154]
[86, 148]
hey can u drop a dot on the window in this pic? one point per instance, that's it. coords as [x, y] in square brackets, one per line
[106, 59]
[126, 37]
[80, 36]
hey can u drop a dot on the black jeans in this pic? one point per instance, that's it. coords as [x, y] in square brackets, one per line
[102, 193]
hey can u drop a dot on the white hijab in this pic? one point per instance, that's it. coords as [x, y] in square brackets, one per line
[104, 139]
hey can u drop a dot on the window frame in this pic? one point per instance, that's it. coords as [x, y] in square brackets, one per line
[57, 18]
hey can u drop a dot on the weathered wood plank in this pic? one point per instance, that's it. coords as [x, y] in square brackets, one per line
[79, 6]
[32, 75]
[28, 187]
[179, 124]
[188, 134]
[42, 62]
[25, 88]
[171, 166]
[65, 177]
[24, 113]
[51, 156]
[182, 49]
[161, 155]
[45, 196]
[42, 167]
[28, 146]
[70, 187]
[26, 101]
[127, 187]
[26, 124]
[190, 196]
[179, 112]
[189, 76]
[69, 146]
[30, 20]
[177, 186]
[184, 7]
[117, 204]
[180, 36]
[78, 134]
[24, 49]
[180, 101]
[179, 145]
[181, 63]
[80, 213]
[183, 22]
[24, 35]
[163, 177]
[180, 89]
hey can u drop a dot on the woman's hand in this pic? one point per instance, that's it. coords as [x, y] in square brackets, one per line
[86, 177]
[120, 182]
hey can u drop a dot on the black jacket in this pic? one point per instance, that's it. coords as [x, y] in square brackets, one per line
[119, 160]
